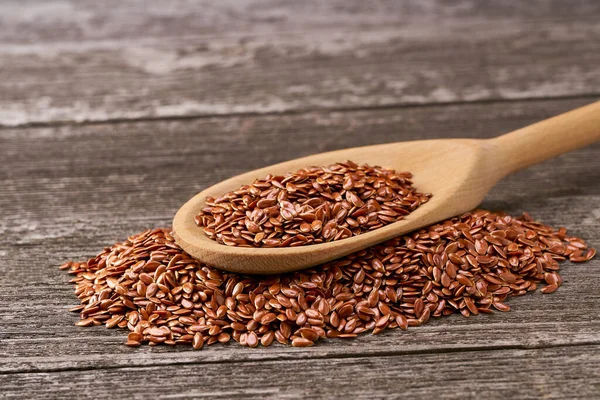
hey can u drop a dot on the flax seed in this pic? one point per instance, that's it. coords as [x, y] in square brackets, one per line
[469, 264]
[302, 342]
[311, 206]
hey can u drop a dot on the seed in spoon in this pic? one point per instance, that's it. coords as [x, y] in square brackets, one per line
[310, 206]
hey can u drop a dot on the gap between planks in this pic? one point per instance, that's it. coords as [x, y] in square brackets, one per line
[391, 106]
[296, 356]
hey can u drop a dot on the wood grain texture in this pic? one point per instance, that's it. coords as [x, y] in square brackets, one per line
[56, 21]
[182, 90]
[68, 191]
[551, 373]
[67, 61]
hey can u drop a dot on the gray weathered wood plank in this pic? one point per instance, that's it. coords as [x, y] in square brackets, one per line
[68, 191]
[73, 62]
[55, 21]
[552, 373]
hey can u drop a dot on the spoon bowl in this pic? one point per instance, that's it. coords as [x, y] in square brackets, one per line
[457, 172]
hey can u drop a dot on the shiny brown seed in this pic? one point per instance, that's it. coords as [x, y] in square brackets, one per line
[471, 305]
[481, 246]
[589, 254]
[402, 322]
[507, 277]
[302, 342]
[85, 322]
[260, 301]
[425, 315]
[373, 298]
[445, 279]
[418, 307]
[268, 318]
[197, 341]
[134, 336]
[223, 337]
[549, 289]
[157, 332]
[501, 306]
[113, 321]
[77, 308]
[334, 319]
[252, 340]
[382, 322]
[309, 334]
[345, 310]
[463, 280]
[267, 339]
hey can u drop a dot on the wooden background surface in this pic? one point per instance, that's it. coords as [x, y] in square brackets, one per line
[114, 113]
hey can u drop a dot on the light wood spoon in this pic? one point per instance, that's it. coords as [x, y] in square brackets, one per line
[458, 172]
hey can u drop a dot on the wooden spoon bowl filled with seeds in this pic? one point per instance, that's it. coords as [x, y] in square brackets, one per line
[314, 209]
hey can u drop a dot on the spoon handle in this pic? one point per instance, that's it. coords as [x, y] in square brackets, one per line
[546, 139]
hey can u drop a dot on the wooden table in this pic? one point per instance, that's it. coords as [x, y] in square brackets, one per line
[114, 113]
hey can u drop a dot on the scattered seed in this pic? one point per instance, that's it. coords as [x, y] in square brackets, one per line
[549, 289]
[436, 271]
[85, 322]
[302, 342]
[135, 336]
[501, 306]
[267, 338]
[197, 341]
[252, 340]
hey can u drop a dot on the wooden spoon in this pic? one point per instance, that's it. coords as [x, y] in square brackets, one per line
[458, 172]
